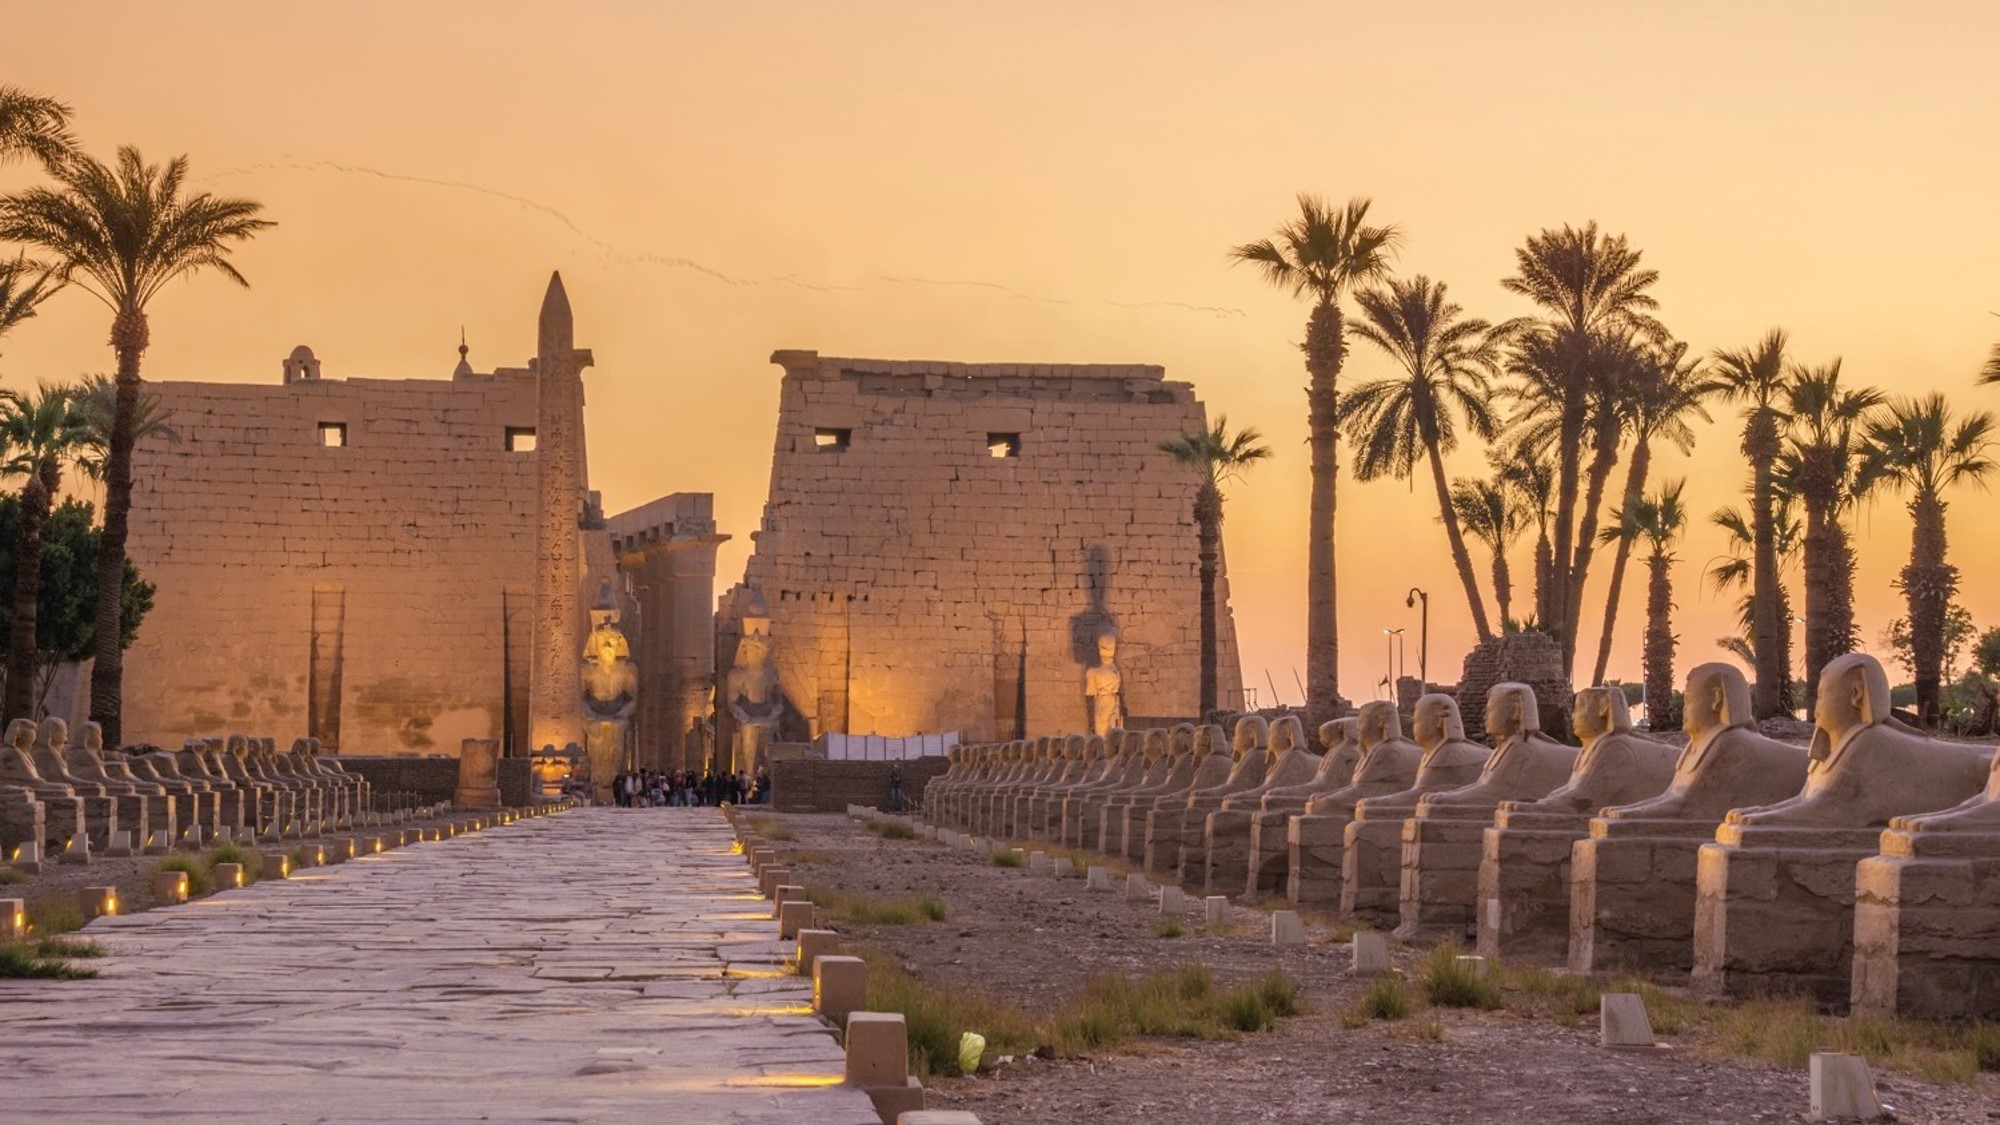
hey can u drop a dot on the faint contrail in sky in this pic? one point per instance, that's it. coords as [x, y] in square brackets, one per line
[689, 264]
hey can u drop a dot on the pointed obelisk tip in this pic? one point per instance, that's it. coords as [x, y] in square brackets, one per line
[557, 326]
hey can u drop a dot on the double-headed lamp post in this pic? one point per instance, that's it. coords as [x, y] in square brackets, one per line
[1424, 637]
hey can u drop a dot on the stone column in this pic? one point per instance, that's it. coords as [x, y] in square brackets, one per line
[668, 547]
[554, 712]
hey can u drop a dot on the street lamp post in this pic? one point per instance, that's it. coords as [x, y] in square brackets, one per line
[1424, 638]
[1399, 664]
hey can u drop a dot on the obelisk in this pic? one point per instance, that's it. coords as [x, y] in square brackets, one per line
[555, 714]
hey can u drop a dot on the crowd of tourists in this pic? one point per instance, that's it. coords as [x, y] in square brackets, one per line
[682, 788]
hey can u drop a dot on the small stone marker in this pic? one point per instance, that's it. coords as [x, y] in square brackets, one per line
[937, 1117]
[192, 841]
[1622, 1020]
[1038, 863]
[815, 944]
[1473, 962]
[1097, 879]
[1286, 928]
[878, 1049]
[13, 919]
[1173, 900]
[228, 876]
[170, 887]
[222, 835]
[1841, 1087]
[121, 845]
[840, 986]
[28, 857]
[1371, 954]
[772, 877]
[1137, 889]
[77, 854]
[277, 865]
[793, 917]
[1217, 911]
[158, 844]
[788, 892]
[99, 901]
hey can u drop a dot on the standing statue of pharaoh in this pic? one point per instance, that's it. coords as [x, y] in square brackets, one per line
[610, 693]
[1103, 687]
[752, 689]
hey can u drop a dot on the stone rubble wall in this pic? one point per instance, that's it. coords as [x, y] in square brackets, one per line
[908, 574]
[1533, 659]
[434, 778]
[817, 785]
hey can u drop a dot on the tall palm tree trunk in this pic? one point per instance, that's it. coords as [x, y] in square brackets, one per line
[1766, 614]
[1821, 643]
[1324, 352]
[1604, 456]
[1659, 655]
[1928, 583]
[129, 336]
[1840, 590]
[1460, 557]
[1544, 577]
[1555, 596]
[1635, 490]
[1503, 585]
[21, 644]
[1208, 530]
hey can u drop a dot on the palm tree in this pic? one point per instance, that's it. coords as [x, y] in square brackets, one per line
[1822, 460]
[1322, 254]
[1919, 445]
[38, 434]
[122, 232]
[33, 126]
[1494, 514]
[1219, 456]
[1667, 390]
[1592, 292]
[1991, 372]
[1736, 569]
[96, 401]
[23, 287]
[1529, 476]
[1756, 376]
[1448, 361]
[1660, 518]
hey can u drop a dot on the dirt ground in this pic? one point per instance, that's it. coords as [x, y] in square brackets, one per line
[1036, 940]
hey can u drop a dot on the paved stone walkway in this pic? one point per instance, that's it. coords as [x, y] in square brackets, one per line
[599, 965]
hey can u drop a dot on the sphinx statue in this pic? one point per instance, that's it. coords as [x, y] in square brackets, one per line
[1085, 753]
[1150, 766]
[1926, 910]
[1042, 760]
[197, 805]
[62, 810]
[1251, 746]
[1524, 878]
[1865, 771]
[1212, 758]
[996, 770]
[1067, 815]
[142, 807]
[1384, 762]
[1270, 851]
[1372, 847]
[100, 805]
[1227, 835]
[1083, 811]
[1125, 817]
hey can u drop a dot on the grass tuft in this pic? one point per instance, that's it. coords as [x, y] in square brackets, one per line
[1168, 928]
[201, 877]
[1451, 983]
[25, 962]
[770, 827]
[861, 910]
[1387, 999]
[1008, 858]
[253, 862]
[47, 919]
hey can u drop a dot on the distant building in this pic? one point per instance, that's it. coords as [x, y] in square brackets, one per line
[391, 565]
[943, 544]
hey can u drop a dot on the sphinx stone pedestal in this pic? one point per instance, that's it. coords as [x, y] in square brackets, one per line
[1632, 895]
[1371, 860]
[1524, 883]
[1774, 910]
[1927, 927]
[1313, 844]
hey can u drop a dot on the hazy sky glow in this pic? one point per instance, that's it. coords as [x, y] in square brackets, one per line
[1055, 182]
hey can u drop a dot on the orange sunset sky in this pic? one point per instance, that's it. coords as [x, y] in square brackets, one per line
[1055, 182]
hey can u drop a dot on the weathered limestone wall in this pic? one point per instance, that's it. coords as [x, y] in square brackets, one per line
[432, 779]
[817, 785]
[354, 593]
[918, 583]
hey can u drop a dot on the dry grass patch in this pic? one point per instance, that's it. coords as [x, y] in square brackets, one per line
[770, 827]
[864, 910]
[1451, 983]
[200, 876]
[1786, 1032]
[1008, 858]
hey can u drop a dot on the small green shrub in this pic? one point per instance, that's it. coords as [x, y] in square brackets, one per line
[47, 919]
[897, 830]
[1451, 983]
[252, 862]
[21, 962]
[1168, 928]
[1008, 858]
[67, 947]
[1985, 1043]
[9, 877]
[1387, 999]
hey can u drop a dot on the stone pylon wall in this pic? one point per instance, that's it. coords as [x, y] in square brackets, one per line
[357, 592]
[918, 583]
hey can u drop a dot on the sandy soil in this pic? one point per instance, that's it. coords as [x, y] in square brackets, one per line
[1035, 940]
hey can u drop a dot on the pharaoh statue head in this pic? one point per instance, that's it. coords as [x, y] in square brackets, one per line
[238, 745]
[1853, 694]
[1717, 697]
[1075, 746]
[1287, 734]
[54, 733]
[1180, 740]
[1093, 748]
[1251, 732]
[1331, 736]
[1436, 721]
[1107, 647]
[1377, 722]
[1598, 711]
[93, 739]
[1208, 739]
[1156, 744]
[1511, 712]
[21, 735]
